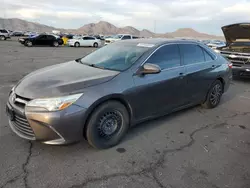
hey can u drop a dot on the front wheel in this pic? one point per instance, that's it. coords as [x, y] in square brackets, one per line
[107, 125]
[214, 95]
[28, 43]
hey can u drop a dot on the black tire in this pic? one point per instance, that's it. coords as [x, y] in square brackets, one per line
[107, 125]
[55, 44]
[28, 43]
[214, 95]
[77, 44]
[2, 38]
[95, 45]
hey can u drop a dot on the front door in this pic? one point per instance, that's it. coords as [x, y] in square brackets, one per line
[41, 40]
[163, 92]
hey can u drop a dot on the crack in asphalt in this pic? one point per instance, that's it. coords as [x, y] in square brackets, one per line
[24, 166]
[11, 180]
[150, 169]
[25, 172]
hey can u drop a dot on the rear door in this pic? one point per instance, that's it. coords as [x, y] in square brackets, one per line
[199, 66]
[91, 41]
[162, 92]
[86, 41]
[50, 39]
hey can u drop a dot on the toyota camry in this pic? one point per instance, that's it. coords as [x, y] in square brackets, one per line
[100, 96]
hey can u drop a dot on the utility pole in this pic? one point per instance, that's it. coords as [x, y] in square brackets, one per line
[154, 26]
[4, 14]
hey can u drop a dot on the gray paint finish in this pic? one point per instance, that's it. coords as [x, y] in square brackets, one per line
[145, 96]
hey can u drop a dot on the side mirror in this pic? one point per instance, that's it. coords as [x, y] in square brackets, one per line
[149, 68]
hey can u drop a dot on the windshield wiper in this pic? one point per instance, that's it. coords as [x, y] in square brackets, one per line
[92, 65]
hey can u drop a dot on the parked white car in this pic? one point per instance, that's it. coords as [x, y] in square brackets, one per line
[84, 41]
[118, 37]
[216, 44]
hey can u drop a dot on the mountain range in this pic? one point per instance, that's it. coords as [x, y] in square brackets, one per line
[101, 27]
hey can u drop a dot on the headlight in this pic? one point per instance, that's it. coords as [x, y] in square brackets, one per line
[54, 104]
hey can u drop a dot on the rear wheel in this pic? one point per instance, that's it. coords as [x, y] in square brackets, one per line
[107, 125]
[28, 43]
[96, 45]
[77, 44]
[214, 95]
[2, 38]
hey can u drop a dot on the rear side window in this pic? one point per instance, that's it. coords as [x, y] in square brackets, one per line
[191, 54]
[208, 57]
[167, 56]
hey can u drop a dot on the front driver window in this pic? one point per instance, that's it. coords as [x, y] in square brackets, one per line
[166, 57]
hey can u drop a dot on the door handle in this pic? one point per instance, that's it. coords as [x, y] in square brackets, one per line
[181, 75]
[213, 66]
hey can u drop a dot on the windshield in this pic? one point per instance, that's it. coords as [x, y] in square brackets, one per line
[118, 36]
[115, 56]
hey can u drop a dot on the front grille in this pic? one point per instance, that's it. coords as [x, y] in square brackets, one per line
[18, 121]
[238, 59]
[22, 125]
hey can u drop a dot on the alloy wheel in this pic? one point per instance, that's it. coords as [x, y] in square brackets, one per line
[215, 94]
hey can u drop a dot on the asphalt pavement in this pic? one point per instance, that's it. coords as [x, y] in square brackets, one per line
[194, 148]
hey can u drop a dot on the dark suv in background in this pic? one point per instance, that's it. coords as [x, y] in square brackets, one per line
[99, 96]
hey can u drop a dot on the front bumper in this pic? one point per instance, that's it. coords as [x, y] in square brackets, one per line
[61, 127]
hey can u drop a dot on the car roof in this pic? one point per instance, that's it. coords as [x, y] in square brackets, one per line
[157, 41]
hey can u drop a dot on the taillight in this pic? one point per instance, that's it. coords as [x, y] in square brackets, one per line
[230, 65]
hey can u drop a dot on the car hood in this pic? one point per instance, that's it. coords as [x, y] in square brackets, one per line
[236, 31]
[61, 79]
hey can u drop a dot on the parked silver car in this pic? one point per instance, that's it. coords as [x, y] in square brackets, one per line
[4, 34]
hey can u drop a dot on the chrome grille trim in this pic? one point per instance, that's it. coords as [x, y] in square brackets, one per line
[22, 125]
[238, 59]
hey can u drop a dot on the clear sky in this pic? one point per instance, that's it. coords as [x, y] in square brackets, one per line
[162, 15]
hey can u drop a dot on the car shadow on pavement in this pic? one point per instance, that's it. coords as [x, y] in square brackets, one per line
[153, 123]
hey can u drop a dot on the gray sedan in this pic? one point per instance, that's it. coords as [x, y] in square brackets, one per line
[98, 97]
